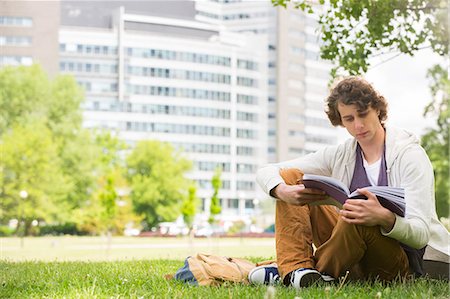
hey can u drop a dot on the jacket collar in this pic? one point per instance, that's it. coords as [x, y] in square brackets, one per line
[397, 141]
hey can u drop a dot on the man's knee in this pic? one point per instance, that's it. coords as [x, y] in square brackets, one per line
[362, 230]
[291, 176]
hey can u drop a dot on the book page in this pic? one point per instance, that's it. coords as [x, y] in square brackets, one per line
[391, 198]
[328, 180]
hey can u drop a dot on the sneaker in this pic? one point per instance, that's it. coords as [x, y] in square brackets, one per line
[305, 277]
[264, 275]
[326, 277]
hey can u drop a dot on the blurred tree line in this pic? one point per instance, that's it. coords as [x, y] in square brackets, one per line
[354, 31]
[57, 176]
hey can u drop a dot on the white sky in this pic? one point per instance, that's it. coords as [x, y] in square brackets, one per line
[402, 81]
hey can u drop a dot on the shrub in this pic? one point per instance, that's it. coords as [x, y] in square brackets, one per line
[6, 231]
[68, 228]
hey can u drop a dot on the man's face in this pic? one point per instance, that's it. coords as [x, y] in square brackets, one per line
[363, 125]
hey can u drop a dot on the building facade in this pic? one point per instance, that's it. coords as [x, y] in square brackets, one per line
[258, 17]
[298, 78]
[192, 84]
[29, 33]
[302, 84]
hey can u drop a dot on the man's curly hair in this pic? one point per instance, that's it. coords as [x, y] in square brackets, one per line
[354, 91]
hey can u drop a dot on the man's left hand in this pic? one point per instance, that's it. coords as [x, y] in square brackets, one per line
[367, 212]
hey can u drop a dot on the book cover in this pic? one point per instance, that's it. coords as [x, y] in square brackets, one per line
[392, 198]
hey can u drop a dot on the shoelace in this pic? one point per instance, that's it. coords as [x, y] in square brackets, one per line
[273, 277]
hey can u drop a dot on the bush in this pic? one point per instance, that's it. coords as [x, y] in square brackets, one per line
[237, 227]
[68, 228]
[6, 231]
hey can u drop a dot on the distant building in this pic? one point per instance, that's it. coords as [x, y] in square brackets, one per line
[302, 84]
[29, 33]
[201, 88]
[297, 78]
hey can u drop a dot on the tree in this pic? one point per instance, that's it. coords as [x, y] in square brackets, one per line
[108, 210]
[30, 162]
[436, 141]
[28, 93]
[43, 115]
[353, 31]
[157, 182]
[33, 104]
[215, 207]
[96, 209]
[189, 207]
[88, 158]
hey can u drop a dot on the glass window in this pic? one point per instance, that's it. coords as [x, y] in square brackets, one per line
[11, 40]
[16, 21]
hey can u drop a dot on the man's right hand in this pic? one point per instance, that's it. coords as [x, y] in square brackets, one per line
[297, 194]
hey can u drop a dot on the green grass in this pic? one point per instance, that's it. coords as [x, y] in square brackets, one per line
[83, 267]
[145, 279]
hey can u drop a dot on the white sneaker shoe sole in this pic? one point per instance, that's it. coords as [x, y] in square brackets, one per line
[258, 276]
[305, 278]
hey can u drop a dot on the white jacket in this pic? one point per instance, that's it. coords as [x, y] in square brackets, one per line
[408, 167]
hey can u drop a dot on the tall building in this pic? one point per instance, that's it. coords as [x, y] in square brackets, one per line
[193, 84]
[297, 77]
[302, 82]
[29, 33]
[259, 17]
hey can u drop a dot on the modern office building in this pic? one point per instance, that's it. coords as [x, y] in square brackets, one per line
[29, 33]
[297, 78]
[302, 86]
[193, 84]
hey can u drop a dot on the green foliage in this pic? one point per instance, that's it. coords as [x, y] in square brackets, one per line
[30, 162]
[215, 207]
[237, 227]
[67, 228]
[107, 198]
[87, 156]
[27, 93]
[189, 206]
[109, 148]
[45, 151]
[436, 141]
[6, 231]
[97, 215]
[38, 116]
[157, 182]
[109, 208]
[354, 31]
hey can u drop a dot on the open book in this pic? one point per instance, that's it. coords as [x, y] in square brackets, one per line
[392, 198]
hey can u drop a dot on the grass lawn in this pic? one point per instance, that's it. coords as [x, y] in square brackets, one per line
[83, 267]
[144, 279]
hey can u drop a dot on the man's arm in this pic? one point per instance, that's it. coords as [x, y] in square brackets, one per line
[418, 181]
[268, 177]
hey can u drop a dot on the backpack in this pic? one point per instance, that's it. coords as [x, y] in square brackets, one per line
[213, 270]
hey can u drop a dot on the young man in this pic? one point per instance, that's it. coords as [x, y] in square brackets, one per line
[363, 240]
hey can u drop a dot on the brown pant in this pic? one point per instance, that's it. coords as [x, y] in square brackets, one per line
[341, 247]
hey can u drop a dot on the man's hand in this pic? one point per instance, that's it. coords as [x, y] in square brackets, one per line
[297, 194]
[367, 212]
